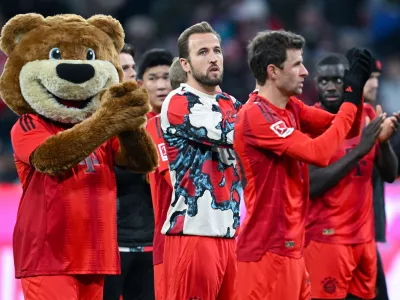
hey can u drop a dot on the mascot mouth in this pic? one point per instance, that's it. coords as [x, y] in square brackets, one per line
[79, 104]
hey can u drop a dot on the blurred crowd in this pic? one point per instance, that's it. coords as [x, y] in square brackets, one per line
[327, 25]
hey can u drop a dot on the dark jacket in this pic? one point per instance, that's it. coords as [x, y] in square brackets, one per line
[135, 218]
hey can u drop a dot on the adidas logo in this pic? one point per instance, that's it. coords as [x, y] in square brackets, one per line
[349, 89]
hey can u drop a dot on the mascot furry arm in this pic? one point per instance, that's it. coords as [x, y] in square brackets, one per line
[30, 84]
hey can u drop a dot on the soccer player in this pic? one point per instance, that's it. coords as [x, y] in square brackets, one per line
[273, 150]
[197, 123]
[127, 60]
[135, 222]
[160, 183]
[152, 74]
[370, 96]
[341, 250]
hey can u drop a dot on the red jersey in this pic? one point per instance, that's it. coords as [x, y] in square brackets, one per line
[65, 224]
[272, 152]
[161, 190]
[344, 214]
[151, 114]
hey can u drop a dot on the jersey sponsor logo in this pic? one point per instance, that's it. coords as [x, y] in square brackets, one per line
[281, 129]
[163, 152]
[90, 162]
[329, 284]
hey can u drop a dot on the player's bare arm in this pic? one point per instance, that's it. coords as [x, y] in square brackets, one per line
[386, 160]
[323, 179]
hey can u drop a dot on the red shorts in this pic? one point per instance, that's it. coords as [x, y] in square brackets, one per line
[271, 278]
[63, 287]
[336, 270]
[197, 267]
[158, 281]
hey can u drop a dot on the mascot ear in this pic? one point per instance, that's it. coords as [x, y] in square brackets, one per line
[110, 26]
[15, 28]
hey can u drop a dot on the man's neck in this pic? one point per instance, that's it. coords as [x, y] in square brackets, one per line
[210, 90]
[273, 95]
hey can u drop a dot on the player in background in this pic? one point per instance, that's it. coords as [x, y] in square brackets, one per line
[341, 250]
[153, 73]
[177, 75]
[273, 150]
[160, 183]
[127, 60]
[135, 218]
[370, 97]
[197, 123]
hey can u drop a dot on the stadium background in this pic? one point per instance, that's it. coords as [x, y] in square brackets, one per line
[327, 25]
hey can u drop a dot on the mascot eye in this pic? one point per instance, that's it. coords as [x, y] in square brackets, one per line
[55, 53]
[90, 54]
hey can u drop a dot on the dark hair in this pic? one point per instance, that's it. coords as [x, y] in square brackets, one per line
[128, 49]
[154, 58]
[269, 47]
[176, 74]
[183, 40]
[332, 59]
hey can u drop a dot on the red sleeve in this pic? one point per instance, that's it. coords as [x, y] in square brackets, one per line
[259, 131]
[28, 133]
[370, 111]
[357, 124]
[154, 129]
[114, 145]
[315, 121]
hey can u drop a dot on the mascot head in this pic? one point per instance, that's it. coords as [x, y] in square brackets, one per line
[57, 66]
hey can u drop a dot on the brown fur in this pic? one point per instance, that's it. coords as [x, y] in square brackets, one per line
[30, 37]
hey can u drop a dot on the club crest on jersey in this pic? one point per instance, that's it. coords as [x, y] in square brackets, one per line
[281, 129]
[163, 152]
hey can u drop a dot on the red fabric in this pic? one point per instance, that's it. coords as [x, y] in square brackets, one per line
[81, 287]
[161, 189]
[344, 214]
[158, 281]
[286, 279]
[151, 114]
[336, 270]
[197, 267]
[65, 224]
[271, 152]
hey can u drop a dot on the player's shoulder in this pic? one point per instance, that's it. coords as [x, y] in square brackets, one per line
[369, 110]
[256, 108]
[152, 123]
[26, 123]
[175, 96]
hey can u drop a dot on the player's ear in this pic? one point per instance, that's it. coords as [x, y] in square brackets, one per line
[271, 71]
[139, 82]
[184, 64]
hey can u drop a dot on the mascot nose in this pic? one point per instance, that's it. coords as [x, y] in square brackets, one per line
[76, 73]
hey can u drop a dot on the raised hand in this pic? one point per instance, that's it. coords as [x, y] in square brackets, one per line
[357, 75]
[370, 134]
[124, 105]
[389, 126]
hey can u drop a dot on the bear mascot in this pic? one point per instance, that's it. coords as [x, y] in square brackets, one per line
[76, 121]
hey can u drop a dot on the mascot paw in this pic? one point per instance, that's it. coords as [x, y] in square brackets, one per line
[124, 106]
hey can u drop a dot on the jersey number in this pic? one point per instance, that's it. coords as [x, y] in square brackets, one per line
[90, 162]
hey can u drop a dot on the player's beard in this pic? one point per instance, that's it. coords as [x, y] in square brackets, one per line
[332, 107]
[205, 79]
